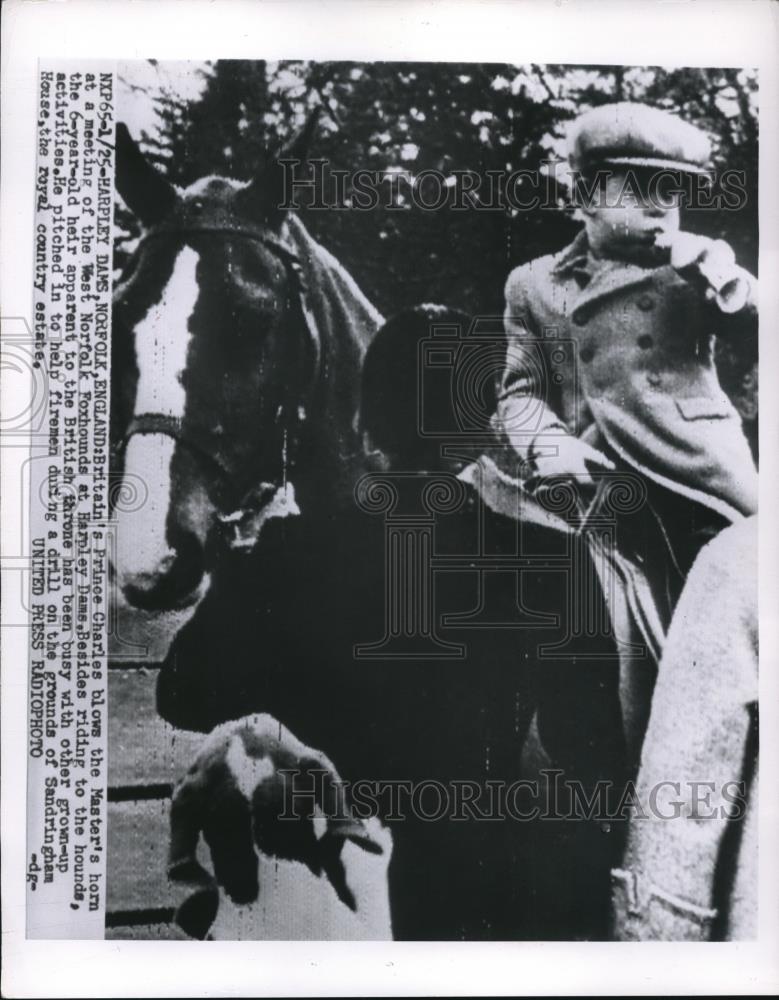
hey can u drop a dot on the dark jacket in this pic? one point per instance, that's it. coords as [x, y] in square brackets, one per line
[277, 633]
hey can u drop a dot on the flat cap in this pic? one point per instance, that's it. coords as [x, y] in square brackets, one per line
[636, 135]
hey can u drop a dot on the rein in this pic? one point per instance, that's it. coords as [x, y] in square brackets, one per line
[240, 528]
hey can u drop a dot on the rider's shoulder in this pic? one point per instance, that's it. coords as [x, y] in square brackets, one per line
[732, 551]
[540, 273]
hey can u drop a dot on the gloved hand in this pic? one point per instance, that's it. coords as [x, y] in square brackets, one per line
[247, 776]
[712, 262]
[569, 458]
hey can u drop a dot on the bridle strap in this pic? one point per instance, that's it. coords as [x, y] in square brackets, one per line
[170, 426]
[155, 423]
[258, 234]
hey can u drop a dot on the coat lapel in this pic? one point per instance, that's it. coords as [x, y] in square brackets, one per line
[610, 277]
[596, 279]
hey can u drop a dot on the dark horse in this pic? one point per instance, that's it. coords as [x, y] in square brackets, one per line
[234, 334]
[238, 347]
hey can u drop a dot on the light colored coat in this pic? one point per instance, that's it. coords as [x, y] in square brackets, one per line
[618, 352]
[694, 877]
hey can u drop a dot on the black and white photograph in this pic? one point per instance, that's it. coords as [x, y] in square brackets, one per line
[390, 566]
[434, 406]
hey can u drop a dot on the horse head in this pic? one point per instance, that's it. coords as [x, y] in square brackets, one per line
[214, 362]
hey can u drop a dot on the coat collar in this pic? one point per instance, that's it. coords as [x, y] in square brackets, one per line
[576, 256]
[595, 277]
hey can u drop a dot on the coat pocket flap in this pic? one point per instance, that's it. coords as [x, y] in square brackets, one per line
[705, 407]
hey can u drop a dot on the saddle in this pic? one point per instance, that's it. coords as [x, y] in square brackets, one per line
[635, 587]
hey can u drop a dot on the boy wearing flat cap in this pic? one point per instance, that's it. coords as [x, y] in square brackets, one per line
[639, 303]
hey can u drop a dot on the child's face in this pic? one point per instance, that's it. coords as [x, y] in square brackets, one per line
[630, 212]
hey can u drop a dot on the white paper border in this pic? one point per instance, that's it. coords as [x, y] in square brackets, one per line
[638, 32]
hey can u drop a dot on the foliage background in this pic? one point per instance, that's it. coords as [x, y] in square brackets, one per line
[227, 117]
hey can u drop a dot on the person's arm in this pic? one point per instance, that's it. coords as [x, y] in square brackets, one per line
[728, 286]
[524, 417]
[523, 414]
[693, 759]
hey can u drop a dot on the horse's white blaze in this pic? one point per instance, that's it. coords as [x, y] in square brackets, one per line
[161, 340]
[141, 542]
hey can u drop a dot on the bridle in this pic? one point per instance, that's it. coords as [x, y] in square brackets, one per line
[240, 528]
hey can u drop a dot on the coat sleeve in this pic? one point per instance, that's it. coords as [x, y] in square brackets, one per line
[689, 791]
[734, 288]
[524, 413]
[733, 292]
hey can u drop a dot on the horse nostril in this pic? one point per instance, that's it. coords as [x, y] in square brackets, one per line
[188, 562]
[175, 580]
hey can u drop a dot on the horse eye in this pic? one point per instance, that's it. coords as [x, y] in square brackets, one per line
[258, 307]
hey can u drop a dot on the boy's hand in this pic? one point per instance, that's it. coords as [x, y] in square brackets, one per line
[712, 261]
[574, 460]
[686, 249]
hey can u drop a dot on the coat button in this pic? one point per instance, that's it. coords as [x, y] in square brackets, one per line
[586, 354]
[653, 379]
[646, 302]
[645, 342]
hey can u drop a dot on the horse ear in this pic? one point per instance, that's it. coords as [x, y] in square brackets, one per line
[143, 188]
[267, 193]
[296, 148]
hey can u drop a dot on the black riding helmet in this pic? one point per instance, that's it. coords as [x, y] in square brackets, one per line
[401, 400]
